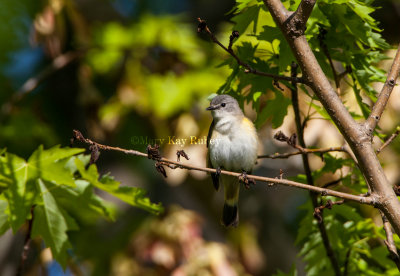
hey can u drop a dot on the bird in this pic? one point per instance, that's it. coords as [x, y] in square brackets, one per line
[232, 144]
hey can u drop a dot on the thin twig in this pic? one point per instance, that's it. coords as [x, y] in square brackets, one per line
[389, 242]
[388, 141]
[77, 136]
[58, 63]
[380, 104]
[321, 224]
[329, 204]
[248, 69]
[303, 151]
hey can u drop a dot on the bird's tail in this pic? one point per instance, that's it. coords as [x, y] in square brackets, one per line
[230, 213]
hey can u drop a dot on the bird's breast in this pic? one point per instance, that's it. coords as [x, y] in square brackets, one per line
[234, 148]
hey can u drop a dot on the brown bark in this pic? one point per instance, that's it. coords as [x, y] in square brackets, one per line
[357, 135]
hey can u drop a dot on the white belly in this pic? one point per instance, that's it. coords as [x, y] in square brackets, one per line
[235, 152]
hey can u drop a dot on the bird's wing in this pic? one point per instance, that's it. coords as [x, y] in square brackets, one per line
[214, 176]
[210, 130]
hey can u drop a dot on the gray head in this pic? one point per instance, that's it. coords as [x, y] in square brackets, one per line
[224, 105]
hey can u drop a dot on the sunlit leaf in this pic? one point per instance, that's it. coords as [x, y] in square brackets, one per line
[14, 174]
[52, 224]
[50, 164]
[131, 195]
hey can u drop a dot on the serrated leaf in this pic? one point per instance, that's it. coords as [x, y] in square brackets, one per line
[14, 174]
[137, 197]
[227, 86]
[275, 109]
[131, 195]
[50, 164]
[82, 197]
[52, 223]
[270, 34]
[92, 175]
[243, 20]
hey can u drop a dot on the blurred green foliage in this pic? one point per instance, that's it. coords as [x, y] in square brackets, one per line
[148, 77]
[167, 65]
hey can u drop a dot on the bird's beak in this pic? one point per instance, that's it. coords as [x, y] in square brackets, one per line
[212, 107]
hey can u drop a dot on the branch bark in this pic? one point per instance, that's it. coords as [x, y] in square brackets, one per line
[390, 140]
[380, 104]
[355, 134]
[389, 242]
[303, 151]
[77, 136]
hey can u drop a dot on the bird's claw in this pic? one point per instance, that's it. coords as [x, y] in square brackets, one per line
[218, 171]
[245, 180]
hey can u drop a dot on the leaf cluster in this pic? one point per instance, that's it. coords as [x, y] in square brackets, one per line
[56, 190]
[346, 41]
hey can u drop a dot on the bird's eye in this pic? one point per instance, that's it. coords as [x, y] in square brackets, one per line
[223, 104]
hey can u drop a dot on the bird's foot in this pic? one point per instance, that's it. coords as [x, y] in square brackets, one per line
[215, 178]
[246, 181]
[218, 172]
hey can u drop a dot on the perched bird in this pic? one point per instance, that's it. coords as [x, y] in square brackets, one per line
[232, 144]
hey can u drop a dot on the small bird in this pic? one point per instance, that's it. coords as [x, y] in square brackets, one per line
[232, 144]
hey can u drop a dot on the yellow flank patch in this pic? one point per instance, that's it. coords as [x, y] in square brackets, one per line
[247, 123]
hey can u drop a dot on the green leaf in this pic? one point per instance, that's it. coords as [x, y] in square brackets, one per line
[14, 174]
[81, 202]
[275, 109]
[243, 21]
[4, 224]
[292, 272]
[131, 195]
[272, 34]
[52, 223]
[50, 164]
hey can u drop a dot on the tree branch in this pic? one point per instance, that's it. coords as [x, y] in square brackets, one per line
[58, 63]
[388, 141]
[77, 136]
[321, 224]
[302, 14]
[355, 134]
[383, 98]
[302, 151]
[389, 242]
[248, 69]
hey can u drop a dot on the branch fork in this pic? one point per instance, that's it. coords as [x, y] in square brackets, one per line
[202, 27]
